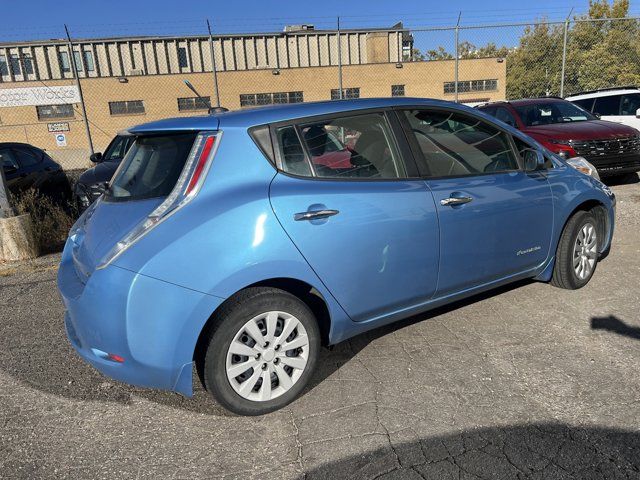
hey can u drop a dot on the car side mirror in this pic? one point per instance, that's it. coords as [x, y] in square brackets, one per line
[96, 157]
[596, 114]
[638, 113]
[533, 160]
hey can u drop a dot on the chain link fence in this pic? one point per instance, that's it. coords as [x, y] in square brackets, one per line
[71, 96]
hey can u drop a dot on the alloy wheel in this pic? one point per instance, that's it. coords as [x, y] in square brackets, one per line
[585, 251]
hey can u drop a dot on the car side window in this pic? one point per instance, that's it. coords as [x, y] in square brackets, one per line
[630, 104]
[586, 103]
[359, 146]
[117, 150]
[522, 147]
[27, 158]
[453, 144]
[609, 105]
[505, 115]
[7, 159]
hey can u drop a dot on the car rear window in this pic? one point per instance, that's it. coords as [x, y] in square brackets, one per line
[151, 167]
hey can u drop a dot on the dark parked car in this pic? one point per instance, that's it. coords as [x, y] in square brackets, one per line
[570, 131]
[92, 183]
[26, 166]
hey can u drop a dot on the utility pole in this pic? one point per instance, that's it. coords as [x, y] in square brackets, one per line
[457, 64]
[213, 65]
[564, 52]
[339, 61]
[74, 68]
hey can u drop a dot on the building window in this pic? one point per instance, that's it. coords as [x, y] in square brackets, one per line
[194, 103]
[4, 68]
[65, 66]
[78, 61]
[128, 107]
[471, 86]
[253, 99]
[28, 64]
[15, 64]
[88, 61]
[46, 112]
[346, 93]
[397, 90]
[183, 60]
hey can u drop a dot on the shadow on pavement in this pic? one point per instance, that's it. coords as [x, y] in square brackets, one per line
[626, 179]
[615, 325]
[536, 451]
[34, 350]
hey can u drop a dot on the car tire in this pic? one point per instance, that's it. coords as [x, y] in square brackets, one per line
[277, 319]
[577, 253]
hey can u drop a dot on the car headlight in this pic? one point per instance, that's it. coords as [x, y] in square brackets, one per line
[582, 165]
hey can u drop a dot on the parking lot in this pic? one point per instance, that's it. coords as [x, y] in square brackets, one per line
[526, 382]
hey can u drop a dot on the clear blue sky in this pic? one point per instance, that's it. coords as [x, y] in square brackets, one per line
[39, 19]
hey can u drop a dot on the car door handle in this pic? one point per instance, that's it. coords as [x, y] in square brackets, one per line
[315, 214]
[452, 201]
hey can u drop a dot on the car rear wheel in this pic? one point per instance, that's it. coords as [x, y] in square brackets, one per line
[261, 352]
[577, 254]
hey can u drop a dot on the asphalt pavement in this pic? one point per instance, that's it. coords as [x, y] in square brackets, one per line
[528, 381]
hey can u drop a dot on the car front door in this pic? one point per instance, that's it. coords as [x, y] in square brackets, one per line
[495, 219]
[359, 214]
[31, 167]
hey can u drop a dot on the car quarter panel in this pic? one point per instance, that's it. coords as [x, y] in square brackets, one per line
[229, 238]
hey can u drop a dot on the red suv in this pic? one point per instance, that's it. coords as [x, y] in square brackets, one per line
[568, 130]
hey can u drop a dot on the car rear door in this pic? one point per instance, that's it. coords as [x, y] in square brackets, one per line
[359, 214]
[495, 219]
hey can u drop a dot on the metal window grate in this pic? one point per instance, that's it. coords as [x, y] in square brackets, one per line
[253, 99]
[471, 86]
[194, 103]
[397, 90]
[128, 107]
[46, 112]
[353, 92]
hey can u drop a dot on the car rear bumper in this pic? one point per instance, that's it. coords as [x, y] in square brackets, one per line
[153, 326]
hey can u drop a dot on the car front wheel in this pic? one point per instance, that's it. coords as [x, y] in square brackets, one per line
[262, 351]
[577, 254]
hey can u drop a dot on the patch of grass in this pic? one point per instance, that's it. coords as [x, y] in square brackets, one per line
[51, 220]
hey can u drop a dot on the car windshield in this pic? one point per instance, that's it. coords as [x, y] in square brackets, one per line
[117, 148]
[151, 167]
[546, 113]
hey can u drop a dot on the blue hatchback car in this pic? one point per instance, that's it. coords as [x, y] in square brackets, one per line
[243, 241]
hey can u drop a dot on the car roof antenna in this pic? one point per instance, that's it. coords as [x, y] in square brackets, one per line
[210, 110]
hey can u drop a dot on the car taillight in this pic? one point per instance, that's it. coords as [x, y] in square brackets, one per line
[202, 161]
[185, 189]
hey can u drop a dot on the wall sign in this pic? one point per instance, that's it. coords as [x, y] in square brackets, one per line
[61, 140]
[58, 127]
[22, 97]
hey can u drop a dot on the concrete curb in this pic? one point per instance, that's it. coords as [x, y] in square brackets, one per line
[17, 241]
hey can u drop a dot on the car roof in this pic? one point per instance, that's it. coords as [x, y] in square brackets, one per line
[523, 101]
[277, 113]
[604, 93]
[18, 144]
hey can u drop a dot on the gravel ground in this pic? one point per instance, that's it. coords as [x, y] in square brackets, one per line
[525, 382]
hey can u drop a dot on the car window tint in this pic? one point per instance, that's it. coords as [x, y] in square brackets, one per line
[26, 157]
[504, 115]
[7, 159]
[117, 149]
[630, 104]
[454, 144]
[586, 103]
[291, 152]
[359, 146]
[607, 105]
[522, 147]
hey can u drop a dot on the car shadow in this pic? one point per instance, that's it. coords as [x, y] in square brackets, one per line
[533, 451]
[627, 179]
[45, 360]
[615, 325]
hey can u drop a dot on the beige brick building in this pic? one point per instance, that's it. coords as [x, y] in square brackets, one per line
[126, 81]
